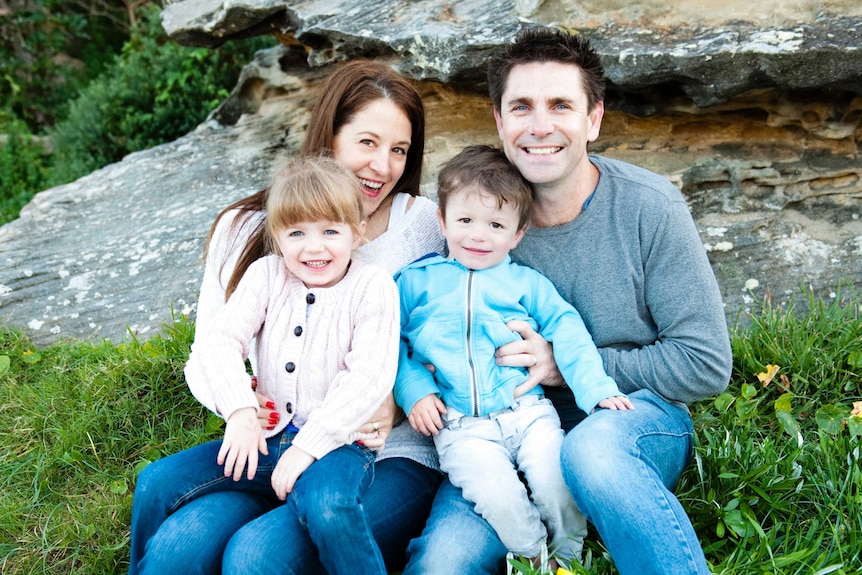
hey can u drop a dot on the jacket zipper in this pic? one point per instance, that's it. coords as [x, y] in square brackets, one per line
[474, 379]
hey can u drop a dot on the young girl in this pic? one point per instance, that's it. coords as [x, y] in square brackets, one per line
[326, 328]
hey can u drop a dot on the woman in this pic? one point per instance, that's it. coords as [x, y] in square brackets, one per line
[372, 121]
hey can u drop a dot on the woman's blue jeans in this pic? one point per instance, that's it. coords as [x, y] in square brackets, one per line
[620, 467]
[185, 511]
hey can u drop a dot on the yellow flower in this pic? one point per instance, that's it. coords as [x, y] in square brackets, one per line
[561, 571]
[857, 409]
[766, 377]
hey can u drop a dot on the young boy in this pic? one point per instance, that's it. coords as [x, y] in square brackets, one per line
[486, 425]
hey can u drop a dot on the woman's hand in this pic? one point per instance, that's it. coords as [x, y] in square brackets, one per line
[532, 352]
[290, 466]
[243, 438]
[267, 416]
[378, 429]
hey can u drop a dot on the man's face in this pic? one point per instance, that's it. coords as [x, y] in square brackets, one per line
[544, 124]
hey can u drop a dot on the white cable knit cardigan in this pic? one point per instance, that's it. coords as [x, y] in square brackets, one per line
[328, 364]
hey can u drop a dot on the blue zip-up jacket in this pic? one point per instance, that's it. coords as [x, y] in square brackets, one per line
[455, 318]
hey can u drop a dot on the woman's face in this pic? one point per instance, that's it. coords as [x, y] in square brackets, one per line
[373, 145]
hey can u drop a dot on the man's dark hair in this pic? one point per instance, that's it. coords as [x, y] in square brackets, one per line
[537, 45]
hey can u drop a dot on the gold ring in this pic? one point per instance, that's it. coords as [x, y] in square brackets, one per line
[375, 426]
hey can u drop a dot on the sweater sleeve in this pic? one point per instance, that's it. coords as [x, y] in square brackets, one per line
[230, 235]
[575, 352]
[359, 389]
[216, 366]
[691, 358]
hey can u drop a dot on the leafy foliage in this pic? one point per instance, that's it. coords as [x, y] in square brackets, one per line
[155, 92]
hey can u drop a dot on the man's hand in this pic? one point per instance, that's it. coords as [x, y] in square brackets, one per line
[243, 438]
[290, 466]
[532, 352]
[425, 415]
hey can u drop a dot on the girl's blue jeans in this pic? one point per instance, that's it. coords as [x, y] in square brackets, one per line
[620, 467]
[185, 513]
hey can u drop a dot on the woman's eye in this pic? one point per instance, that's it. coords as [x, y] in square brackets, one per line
[366, 142]
[400, 151]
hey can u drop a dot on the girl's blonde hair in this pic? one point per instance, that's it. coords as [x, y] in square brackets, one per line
[312, 189]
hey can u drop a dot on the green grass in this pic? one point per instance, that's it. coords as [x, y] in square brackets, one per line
[775, 486]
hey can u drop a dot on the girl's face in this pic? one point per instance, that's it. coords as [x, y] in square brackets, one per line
[373, 145]
[318, 253]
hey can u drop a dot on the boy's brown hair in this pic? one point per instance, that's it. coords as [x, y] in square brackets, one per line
[485, 169]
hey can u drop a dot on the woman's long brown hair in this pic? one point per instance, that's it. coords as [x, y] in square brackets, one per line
[347, 91]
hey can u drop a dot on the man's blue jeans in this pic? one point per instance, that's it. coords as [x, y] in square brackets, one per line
[620, 467]
[185, 511]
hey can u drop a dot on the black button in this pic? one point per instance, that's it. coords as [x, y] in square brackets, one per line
[289, 407]
[289, 367]
[297, 331]
[309, 298]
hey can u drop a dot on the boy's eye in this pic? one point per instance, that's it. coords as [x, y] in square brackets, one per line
[464, 220]
[497, 225]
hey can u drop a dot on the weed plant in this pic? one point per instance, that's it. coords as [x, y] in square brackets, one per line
[775, 485]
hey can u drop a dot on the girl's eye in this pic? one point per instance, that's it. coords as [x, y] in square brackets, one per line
[331, 232]
[295, 234]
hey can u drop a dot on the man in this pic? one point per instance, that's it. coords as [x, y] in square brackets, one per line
[619, 244]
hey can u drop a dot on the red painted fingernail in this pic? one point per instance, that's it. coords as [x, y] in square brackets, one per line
[273, 417]
[360, 442]
[270, 428]
[270, 405]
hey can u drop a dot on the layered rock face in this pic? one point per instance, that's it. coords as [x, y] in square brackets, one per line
[753, 111]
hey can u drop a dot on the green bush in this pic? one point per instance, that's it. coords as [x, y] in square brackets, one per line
[24, 167]
[154, 92]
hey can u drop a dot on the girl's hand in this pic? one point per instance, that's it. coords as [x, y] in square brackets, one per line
[378, 429]
[290, 466]
[532, 352]
[615, 402]
[425, 415]
[243, 438]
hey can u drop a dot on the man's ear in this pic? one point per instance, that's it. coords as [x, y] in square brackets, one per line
[498, 119]
[595, 118]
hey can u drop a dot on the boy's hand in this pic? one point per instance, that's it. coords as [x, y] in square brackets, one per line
[290, 466]
[620, 402]
[243, 438]
[425, 415]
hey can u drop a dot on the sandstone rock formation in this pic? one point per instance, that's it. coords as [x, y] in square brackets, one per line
[752, 110]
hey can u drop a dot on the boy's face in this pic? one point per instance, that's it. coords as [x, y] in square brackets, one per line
[478, 233]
